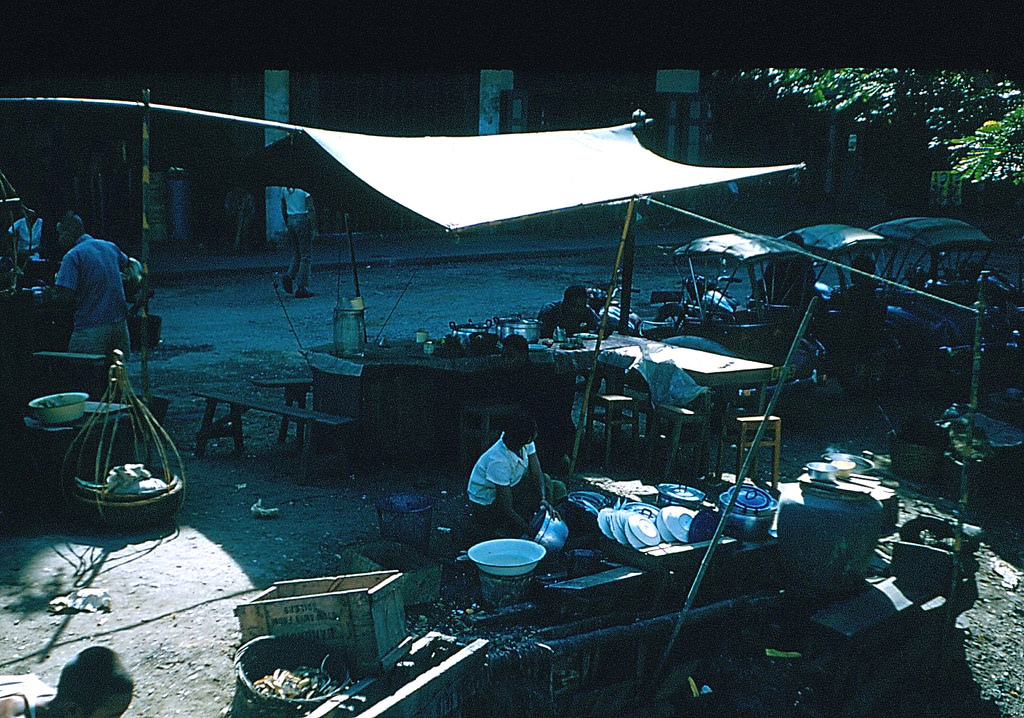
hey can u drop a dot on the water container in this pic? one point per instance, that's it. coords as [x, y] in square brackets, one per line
[349, 331]
[179, 203]
[406, 518]
[826, 536]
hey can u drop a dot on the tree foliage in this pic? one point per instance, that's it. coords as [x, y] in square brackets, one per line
[978, 116]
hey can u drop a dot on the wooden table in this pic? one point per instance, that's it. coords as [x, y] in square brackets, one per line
[407, 402]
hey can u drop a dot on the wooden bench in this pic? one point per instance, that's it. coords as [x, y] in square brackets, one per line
[295, 391]
[230, 425]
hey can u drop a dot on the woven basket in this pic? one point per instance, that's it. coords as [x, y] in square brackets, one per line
[128, 511]
[264, 654]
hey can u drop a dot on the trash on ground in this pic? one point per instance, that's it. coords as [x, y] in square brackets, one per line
[87, 600]
[261, 512]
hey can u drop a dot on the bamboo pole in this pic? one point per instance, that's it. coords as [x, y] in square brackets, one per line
[600, 333]
[709, 554]
[968, 454]
[144, 252]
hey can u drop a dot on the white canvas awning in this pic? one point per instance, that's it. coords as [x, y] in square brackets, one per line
[461, 182]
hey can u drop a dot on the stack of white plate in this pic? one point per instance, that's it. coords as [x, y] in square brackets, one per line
[641, 525]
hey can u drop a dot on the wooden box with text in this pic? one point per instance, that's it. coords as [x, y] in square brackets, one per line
[360, 614]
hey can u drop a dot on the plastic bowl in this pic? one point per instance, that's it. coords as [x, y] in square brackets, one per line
[506, 557]
[59, 408]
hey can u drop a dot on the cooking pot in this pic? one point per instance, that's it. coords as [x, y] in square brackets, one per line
[463, 332]
[529, 329]
[752, 514]
[822, 471]
[863, 465]
[680, 495]
[550, 530]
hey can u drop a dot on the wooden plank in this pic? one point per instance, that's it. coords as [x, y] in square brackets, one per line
[612, 575]
[294, 412]
[71, 355]
[282, 383]
[436, 693]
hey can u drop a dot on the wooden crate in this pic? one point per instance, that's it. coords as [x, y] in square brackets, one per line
[421, 576]
[434, 681]
[360, 614]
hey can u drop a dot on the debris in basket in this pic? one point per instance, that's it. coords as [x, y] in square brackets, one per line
[258, 511]
[302, 683]
[88, 600]
[133, 479]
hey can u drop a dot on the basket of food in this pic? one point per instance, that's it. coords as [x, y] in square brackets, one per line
[119, 510]
[281, 676]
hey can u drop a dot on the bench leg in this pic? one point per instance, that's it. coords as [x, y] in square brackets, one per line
[229, 425]
[282, 432]
[205, 427]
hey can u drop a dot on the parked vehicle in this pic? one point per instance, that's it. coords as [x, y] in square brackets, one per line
[742, 293]
[878, 336]
[850, 322]
[939, 255]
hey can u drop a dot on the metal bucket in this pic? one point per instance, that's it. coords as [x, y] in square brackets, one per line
[349, 331]
[406, 518]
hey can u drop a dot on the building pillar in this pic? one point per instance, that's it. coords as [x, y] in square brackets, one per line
[683, 109]
[492, 84]
[275, 107]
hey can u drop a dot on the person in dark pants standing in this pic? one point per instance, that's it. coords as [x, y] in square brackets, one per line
[299, 213]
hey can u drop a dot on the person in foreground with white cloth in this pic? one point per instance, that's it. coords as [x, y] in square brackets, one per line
[94, 684]
[505, 484]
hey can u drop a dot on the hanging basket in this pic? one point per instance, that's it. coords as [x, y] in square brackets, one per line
[128, 511]
[120, 441]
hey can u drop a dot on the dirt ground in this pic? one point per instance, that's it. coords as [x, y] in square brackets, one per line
[173, 591]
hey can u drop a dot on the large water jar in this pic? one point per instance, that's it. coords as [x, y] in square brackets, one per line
[826, 535]
[349, 331]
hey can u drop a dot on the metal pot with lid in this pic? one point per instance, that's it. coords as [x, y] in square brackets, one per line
[752, 514]
[529, 329]
[463, 332]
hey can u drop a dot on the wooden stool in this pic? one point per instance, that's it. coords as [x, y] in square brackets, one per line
[675, 418]
[643, 408]
[771, 439]
[478, 425]
[616, 410]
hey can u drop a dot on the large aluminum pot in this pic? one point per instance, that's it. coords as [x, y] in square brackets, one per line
[463, 332]
[529, 329]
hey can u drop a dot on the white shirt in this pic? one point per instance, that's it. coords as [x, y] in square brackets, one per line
[27, 242]
[29, 687]
[295, 200]
[498, 466]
